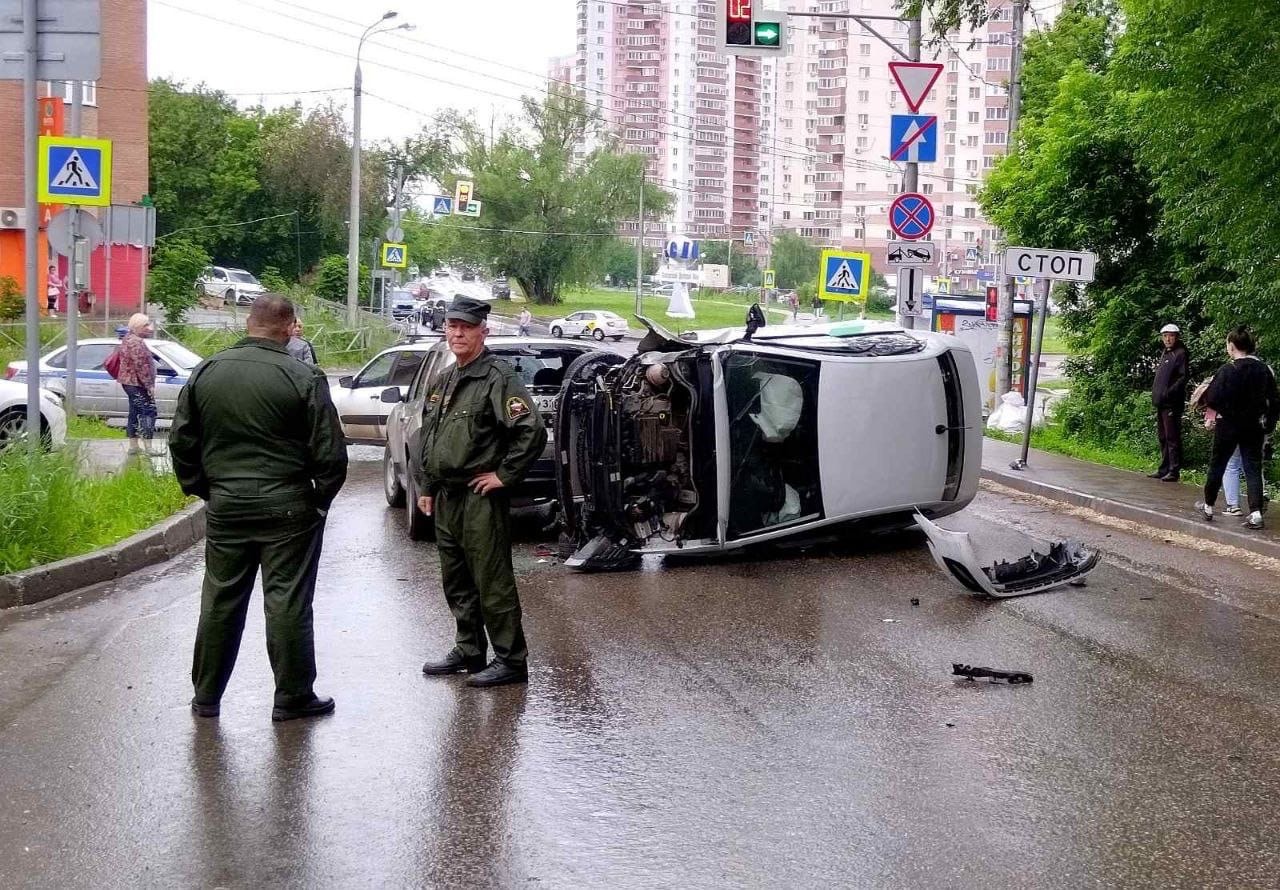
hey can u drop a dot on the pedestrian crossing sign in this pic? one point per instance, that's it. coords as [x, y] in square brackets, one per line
[395, 256]
[72, 170]
[442, 206]
[846, 276]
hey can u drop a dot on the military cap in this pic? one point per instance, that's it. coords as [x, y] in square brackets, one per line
[470, 310]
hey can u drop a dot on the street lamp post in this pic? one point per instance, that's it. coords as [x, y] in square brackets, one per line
[353, 226]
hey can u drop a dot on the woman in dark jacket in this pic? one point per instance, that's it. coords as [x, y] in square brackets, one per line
[138, 377]
[1245, 405]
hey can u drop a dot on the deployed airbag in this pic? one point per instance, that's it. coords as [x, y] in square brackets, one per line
[954, 553]
[781, 400]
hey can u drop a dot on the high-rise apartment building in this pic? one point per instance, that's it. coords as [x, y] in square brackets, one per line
[800, 141]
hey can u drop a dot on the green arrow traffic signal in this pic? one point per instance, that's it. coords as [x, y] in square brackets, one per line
[768, 34]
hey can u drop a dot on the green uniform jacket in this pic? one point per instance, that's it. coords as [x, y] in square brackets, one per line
[255, 422]
[476, 420]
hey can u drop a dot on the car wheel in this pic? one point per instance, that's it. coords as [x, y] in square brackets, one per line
[229, 297]
[417, 523]
[13, 429]
[391, 486]
[557, 332]
[598, 334]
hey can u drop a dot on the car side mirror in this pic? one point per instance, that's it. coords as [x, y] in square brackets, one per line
[346, 382]
[391, 395]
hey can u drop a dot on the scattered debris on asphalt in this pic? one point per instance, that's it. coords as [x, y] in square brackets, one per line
[972, 673]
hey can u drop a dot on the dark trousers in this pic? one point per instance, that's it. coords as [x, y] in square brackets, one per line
[1226, 438]
[473, 537]
[286, 546]
[142, 412]
[1169, 424]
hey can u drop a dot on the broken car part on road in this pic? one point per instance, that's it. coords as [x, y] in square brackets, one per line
[1065, 562]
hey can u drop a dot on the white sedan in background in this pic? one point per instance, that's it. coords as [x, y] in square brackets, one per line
[13, 415]
[596, 324]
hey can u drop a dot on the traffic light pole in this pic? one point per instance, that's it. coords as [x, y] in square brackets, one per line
[1004, 319]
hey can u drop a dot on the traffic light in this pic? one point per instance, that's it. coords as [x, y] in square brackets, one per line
[993, 303]
[461, 196]
[746, 30]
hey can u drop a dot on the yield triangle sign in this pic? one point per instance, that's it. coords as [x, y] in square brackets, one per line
[915, 79]
[74, 174]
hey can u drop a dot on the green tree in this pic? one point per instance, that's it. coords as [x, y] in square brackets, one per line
[12, 301]
[544, 208]
[795, 260]
[330, 280]
[171, 284]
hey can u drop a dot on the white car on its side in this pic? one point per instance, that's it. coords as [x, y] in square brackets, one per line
[13, 415]
[596, 324]
[234, 286]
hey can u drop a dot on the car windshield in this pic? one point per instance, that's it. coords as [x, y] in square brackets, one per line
[242, 277]
[176, 354]
[539, 367]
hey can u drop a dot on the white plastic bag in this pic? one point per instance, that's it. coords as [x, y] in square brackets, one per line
[1010, 415]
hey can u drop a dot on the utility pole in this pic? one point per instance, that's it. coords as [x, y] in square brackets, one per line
[353, 224]
[1004, 308]
[640, 245]
[31, 50]
[74, 283]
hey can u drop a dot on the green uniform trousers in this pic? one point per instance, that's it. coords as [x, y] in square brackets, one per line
[473, 535]
[285, 543]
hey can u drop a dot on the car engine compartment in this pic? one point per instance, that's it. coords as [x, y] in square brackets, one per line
[627, 457]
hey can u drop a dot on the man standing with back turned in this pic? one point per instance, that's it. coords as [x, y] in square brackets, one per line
[1169, 395]
[480, 436]
[257, 437]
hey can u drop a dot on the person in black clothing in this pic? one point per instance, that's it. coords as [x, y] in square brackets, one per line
[1169, 395]
[1245, 405]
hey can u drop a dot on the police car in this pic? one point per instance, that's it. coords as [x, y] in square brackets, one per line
[96, 391]
[723, 441]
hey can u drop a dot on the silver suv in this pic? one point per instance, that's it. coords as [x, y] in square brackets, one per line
[541, 364]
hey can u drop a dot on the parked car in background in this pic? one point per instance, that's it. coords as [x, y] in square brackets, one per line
[541, 364]
[233, 286]
[716, 442]
[501, 289]
[402, 303]
[97, 392]
[358, 397]
[596, 324]
[13, 416]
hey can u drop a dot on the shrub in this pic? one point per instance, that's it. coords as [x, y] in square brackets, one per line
[273, 281]
[12, 302]
[331, 278]
[172, 285]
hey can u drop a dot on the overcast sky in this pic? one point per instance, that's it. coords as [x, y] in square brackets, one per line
[470, 54]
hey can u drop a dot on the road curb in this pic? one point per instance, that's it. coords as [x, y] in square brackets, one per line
[164, 540]
[1188, 525]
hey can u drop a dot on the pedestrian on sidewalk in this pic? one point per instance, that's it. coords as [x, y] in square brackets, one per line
[256, 436]
[137, 375]
[480, 436]
[300, 347]
[526, 317]
[1169, 395]
[1243, 407]
[52, 289]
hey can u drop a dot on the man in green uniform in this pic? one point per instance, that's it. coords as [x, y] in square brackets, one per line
[480, 436]
[257, 437]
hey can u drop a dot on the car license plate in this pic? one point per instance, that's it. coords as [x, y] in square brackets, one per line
[547, 404]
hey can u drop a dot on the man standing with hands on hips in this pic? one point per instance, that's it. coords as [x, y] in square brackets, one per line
[1169, 395]
[479, 437]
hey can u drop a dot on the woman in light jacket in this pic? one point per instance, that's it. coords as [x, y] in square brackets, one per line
[138, 377]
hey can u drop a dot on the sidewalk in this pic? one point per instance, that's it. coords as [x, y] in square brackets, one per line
[1123, 495]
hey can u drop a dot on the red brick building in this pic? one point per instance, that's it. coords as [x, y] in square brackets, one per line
[115, 108]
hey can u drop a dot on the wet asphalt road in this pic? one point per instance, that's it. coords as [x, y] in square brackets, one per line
[783, 720]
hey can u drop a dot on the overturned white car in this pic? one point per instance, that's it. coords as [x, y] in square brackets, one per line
[723, 442]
